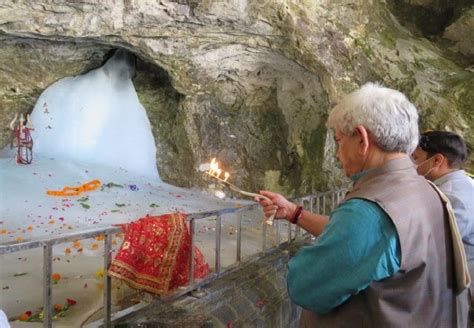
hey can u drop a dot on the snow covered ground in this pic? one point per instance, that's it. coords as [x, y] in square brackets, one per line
[28, 213]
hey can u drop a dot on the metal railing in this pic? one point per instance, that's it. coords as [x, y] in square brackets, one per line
[321, 203]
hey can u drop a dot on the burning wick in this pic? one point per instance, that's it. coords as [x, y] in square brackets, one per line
[215, 172]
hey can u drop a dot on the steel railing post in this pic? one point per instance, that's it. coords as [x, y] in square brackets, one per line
[47, 288]
[191, 250]
[264, 237]
[107, 280]
[278, 239]
[218, 244]
[239, 240]
[289, 232]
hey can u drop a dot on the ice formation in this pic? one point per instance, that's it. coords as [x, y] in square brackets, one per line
[96, 118]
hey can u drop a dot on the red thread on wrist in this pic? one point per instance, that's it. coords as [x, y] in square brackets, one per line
[299, 215]
[292, 216]
[296, 215]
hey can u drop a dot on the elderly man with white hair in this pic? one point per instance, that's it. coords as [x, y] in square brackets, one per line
[386, 256]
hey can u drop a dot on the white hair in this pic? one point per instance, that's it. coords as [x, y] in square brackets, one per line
[387, 114]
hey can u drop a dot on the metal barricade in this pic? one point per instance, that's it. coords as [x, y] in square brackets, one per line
[317, 202]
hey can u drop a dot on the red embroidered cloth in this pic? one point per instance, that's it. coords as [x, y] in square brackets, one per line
[155, 254]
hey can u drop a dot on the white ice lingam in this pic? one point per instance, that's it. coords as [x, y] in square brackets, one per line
[96, 118]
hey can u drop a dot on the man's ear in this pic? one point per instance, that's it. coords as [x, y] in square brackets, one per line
[439, 159]
[364, 138]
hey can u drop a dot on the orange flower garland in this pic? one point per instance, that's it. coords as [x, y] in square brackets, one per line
[75, 191]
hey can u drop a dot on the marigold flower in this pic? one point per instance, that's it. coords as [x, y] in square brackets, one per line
[58, 307]
[67, 251]
[56, 277]
[94, 246]
[25, 316]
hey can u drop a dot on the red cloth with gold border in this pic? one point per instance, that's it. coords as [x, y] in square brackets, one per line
[154, 255]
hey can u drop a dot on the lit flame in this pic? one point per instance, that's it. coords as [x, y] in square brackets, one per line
[215, 171]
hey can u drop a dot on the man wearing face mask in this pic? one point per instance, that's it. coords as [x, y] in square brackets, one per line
[386, 256]
[440, 156]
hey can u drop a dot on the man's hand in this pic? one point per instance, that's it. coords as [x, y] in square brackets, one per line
[278, 205]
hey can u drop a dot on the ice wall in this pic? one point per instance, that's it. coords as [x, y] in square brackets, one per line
[96, 118]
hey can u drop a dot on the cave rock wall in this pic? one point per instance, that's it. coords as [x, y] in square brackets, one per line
[248, 82]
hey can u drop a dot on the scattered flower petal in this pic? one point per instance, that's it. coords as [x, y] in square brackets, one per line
[71, 301]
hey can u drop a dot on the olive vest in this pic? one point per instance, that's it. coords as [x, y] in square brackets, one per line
[423, 292]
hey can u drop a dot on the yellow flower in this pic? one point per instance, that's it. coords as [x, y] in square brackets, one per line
[100, 273]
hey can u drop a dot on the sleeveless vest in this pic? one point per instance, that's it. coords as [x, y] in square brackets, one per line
[423, 292]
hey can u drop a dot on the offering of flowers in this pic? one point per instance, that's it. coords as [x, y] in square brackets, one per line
[59, 311]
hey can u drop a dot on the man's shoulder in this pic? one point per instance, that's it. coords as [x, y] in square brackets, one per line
[455, 182]
[354, 210]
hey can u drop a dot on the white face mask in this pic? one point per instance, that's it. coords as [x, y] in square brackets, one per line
[425, 161]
